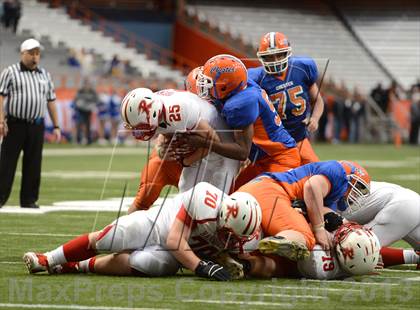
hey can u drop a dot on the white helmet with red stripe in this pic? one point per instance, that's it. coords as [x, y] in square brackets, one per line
[239, 218]
[141, 111]
[357, 248]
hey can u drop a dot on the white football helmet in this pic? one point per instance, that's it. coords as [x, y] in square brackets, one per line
[141, 111]
[357, 248]
[239, 219]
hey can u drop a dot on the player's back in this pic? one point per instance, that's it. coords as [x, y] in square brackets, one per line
[293, 181]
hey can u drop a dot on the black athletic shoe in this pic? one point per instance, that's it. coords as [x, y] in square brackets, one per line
[30, 206]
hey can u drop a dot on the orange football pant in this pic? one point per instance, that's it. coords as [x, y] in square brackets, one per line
[155, 175]
[307, 153]
[277, 211]
[288, 159]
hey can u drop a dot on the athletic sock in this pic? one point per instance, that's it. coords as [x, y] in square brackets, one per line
[393, 256]
[87, 265]
[73, 251]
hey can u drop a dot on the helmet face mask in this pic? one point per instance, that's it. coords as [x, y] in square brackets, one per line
[275, 61]
[204, 85]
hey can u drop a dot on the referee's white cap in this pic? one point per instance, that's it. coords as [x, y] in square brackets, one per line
[30, 44]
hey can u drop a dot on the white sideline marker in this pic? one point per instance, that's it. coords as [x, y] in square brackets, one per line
[51, 306]
[306, 288]
[233, 302]
[37, 234]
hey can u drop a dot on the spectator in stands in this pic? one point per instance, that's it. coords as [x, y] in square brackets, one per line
[11, 11]
[85, 102]
[87, 62]
[340, 94]
[72, 59]
[415, 115]
[129, 70]
[379, 94]
[395, 93]
[26, 91]
[116, 67]
[357, 113]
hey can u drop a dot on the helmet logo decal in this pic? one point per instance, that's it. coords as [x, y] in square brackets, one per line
[347, 252]
[222, 70]
[232, 210]
[145, 108]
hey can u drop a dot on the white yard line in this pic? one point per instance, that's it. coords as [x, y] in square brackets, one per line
[11, 263]
[52, 306]
[36, 234]
[94, 151]
[276, 295]
[401, 271]
[234, 302]
[306, 288]
[415, 279]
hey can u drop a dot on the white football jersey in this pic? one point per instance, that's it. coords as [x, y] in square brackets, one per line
[320, 265]
[382, 194]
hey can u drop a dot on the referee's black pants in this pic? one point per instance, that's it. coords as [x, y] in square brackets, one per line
[29, 138]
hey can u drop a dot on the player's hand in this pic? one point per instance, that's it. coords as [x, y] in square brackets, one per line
[210, 270]
[311, 123]
[195, 140]
[323, 239]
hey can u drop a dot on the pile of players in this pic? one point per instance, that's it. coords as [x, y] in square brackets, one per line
[244, 132]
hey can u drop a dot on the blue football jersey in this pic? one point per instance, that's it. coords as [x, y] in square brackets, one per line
[252, 106]
[289, 92]
[294, 180]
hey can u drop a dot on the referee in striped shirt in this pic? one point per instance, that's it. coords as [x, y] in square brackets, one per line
[26, 92]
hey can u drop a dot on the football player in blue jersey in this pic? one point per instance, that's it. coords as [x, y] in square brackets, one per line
[290, 82]
[248, 110]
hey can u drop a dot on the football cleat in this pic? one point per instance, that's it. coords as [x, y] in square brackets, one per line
[235, 268]
[35, 262]
[283, 247]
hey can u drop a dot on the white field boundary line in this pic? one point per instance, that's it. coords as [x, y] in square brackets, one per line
[98, 151]
[52, 306]
[307, 288]
[346, 282]
[276, 295]
[415, 279]
[234, 302]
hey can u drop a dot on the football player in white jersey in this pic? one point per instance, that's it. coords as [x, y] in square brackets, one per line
[356, 253]
[393, 213]
[171, 112]
[159, 240]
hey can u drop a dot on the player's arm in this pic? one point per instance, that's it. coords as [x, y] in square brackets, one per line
[317, 109]
[206, 131]
[177, 243]
[239, 149]
[314, 191]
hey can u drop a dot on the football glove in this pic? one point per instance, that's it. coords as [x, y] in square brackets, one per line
[332, 221]
[210, 270]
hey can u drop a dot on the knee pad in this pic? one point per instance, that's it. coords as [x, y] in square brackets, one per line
[154, 261]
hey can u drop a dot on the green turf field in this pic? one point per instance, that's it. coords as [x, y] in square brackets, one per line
[74, 174]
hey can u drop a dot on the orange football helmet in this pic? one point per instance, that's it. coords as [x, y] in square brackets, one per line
[274, 52]
[222, 76]
[359, 184]
[191, 80]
